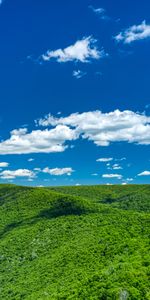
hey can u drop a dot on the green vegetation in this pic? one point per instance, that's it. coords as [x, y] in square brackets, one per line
[86, 242]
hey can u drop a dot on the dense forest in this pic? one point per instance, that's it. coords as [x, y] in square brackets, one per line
[83, 242]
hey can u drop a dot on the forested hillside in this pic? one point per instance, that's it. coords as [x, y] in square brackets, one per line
[86, 242]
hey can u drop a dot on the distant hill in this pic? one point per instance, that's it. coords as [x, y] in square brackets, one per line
[131, 197]
[85, 242]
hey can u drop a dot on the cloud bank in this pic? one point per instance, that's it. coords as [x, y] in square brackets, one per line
[105, 128]
[100, 128]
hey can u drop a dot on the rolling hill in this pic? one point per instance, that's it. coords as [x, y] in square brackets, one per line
[85, 242]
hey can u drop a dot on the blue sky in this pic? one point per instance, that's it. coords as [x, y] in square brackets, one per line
[74, 92]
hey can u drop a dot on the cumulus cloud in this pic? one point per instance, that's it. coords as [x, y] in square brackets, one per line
[82, 51]
[38, 141]
[144, 173]
[105, 128]
[4, 164]
[104, 159]
[118, 176]
[9, 174]
[100, 128]
[78, 74]
[134, 33]
[58, 171]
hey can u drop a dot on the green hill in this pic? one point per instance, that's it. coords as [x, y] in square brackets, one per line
[88, 242]
[133, 197]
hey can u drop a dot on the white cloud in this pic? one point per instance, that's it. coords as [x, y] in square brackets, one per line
[116, 167]
[4, 164]
[58, 171]
[100, 128]
[78, 74]
[124, 183]
[38, 141]
[8, 174]
[144, 173]
[104, 159]
[118, 176]
[120, 159]
[37, 169]
[134, 33]
[82, 51]
[94, 174]
[129, 179]
[99, 10]
[31, 159]
[104, 128]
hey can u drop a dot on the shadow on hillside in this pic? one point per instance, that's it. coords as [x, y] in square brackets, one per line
[63, 207]
[60, 207]
[10, 227]
[111, 200]
[108, 200]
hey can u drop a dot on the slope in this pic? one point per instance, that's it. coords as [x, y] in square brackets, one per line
[59, 246]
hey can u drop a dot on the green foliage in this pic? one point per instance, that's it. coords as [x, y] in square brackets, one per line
[87, 242]
[133, 197]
